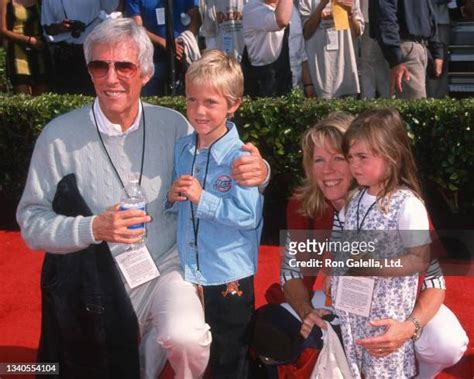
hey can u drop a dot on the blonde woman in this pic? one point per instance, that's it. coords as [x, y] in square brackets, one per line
[27, 55]
[315, 204]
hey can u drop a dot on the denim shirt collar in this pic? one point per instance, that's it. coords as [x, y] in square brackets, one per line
[221, 147]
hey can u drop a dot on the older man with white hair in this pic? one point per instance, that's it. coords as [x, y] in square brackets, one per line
[93, 314]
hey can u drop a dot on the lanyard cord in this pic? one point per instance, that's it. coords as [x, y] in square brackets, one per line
[108, 155]
[64, 9]
[336, 214]
[359, 227]
[193, 217]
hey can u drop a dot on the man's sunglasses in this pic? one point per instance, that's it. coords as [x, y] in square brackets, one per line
[100, 69]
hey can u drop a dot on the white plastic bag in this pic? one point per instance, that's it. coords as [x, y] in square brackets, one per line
[332, 361]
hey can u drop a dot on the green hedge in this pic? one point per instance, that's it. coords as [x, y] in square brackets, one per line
[4, 84]
[441, 132]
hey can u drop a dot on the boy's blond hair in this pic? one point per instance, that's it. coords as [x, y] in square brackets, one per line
[218, 70]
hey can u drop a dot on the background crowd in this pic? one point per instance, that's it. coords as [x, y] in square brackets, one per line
[327, 49]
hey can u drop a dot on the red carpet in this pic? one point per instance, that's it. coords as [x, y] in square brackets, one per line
[20, 302]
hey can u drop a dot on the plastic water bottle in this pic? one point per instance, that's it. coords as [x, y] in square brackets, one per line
[133, 198]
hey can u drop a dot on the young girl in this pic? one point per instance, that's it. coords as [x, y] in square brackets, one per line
[380, 159]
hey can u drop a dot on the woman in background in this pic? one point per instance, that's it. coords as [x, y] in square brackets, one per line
[331, 53]
[27, 54]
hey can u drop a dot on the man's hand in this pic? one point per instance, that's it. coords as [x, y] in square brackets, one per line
[250, 170]
[438, 67]
[396, 334]
[311, 319]
[179, 50]
[346, 3]
[112, 225]
[398, 74]
[309, 91]
[61, 27]
[186, 187]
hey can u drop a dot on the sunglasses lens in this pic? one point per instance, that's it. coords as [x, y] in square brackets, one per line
[98, 69]
[125, 69]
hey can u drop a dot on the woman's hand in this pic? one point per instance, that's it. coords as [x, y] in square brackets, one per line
[36, 43]
[396, 334]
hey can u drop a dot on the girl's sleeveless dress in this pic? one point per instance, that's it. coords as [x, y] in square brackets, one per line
[393, 297]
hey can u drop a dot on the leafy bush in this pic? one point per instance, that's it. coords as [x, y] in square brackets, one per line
[441, 132]
[4, 83]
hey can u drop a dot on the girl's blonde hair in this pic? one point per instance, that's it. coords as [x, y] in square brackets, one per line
[327, 133]
[220, 71]
[384, 132]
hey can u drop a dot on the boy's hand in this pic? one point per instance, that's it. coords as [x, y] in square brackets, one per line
[312, 318]
[176, 191]
[188, 187]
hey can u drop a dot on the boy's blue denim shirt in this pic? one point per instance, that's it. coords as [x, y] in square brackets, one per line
[230, 216]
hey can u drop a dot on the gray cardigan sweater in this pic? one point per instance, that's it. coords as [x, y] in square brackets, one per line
[70, 144]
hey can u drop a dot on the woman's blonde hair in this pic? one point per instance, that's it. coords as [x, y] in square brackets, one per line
[220, 71]
[327, 133]
[384, 132]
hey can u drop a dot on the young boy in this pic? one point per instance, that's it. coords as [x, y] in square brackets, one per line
[219, 222]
